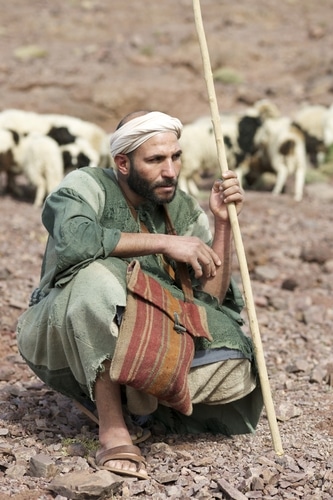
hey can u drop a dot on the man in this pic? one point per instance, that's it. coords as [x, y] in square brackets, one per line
[94, 219]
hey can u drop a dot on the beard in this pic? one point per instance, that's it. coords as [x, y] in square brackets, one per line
[146, 189]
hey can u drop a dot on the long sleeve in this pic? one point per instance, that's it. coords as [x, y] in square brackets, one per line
[72, 217]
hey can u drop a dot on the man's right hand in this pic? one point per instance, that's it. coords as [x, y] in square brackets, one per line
[193, 251]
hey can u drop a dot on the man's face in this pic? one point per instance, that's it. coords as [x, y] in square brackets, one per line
[154, 168]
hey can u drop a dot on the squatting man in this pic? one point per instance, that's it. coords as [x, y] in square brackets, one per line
[68, 334]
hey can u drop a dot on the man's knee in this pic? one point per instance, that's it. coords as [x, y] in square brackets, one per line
[221, 382]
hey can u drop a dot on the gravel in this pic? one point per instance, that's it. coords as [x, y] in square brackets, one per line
[290, 260]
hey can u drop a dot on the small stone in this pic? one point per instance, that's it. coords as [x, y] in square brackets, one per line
[266, 273]
[289, 284]
[257, 483]
[167, 477]
[42, 466]
[76, 450]
[6, 448]
[82, 485]
[16, 471]
[287, 411]
[317, 375]
[299, 365]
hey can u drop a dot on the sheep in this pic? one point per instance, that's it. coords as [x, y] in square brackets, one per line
[8, 140]
[23, 122]
[277, 145]
[79, 143]
[258, 140]
[92, 133]
[311, 121]
[64, 129]
[61, 135]
[250, 164]
[38, 157]
[199, 153]
[199, 150]
[78, 154]
[282, 147]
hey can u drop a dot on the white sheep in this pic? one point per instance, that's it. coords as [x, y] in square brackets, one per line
[23, 122]
[79, 154]
[39, 159]
[282, 146]
[311, 120]
[199, 153]
[91, 132]
[199, 150]
[63, 128]
[81, 143]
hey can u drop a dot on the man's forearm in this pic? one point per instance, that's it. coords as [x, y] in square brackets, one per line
[205, 261]
[138, 244]
[222, 245]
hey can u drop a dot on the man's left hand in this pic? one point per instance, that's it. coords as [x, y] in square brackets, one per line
[224, 191]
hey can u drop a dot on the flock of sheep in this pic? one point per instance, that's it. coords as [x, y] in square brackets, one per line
[258, 140]
[44, 147]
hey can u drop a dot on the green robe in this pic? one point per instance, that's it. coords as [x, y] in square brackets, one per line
[68, 331]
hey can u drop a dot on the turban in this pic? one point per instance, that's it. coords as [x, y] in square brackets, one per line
[138, 130]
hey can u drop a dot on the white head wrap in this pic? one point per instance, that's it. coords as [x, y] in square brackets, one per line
[138, 130]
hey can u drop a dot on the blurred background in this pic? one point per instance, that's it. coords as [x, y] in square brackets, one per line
[99, 59]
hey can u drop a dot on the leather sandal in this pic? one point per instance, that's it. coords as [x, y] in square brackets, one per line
[128, 453]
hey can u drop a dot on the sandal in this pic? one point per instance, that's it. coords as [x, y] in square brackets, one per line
[129, 453]
[137, 433]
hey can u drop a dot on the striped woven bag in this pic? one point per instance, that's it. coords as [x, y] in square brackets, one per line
[155, 347]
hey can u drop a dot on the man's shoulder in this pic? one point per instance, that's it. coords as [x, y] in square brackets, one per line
[90, 184]
[86, 175]
[98, 173]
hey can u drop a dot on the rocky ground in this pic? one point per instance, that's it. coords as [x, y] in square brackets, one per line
[98, 60]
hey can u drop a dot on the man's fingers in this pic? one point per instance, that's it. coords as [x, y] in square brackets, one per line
[207, 263]
[200, 256]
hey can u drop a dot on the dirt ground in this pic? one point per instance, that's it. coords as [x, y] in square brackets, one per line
[99, 60]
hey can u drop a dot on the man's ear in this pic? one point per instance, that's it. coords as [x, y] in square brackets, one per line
[122, 163]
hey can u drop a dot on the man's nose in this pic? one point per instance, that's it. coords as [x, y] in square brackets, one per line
[169, 169]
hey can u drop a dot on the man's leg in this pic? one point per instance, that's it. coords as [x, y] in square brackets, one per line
[113, 431]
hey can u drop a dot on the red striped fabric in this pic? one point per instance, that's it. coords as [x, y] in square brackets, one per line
[151, 355]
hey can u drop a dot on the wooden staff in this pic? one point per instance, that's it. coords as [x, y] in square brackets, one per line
[253, 323]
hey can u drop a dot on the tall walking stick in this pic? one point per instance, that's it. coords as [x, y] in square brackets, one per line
[253, 323]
